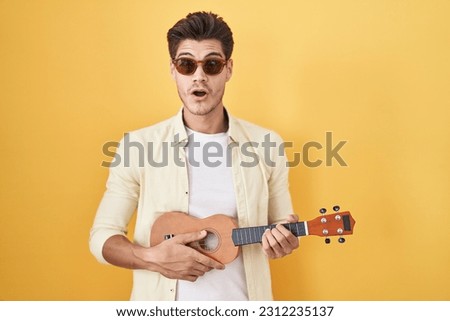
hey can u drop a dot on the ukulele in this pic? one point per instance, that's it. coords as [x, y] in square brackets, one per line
[224, 237]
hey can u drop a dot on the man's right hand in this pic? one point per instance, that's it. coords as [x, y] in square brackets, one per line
[174, 259]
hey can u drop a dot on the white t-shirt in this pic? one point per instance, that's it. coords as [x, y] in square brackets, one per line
[211, 191]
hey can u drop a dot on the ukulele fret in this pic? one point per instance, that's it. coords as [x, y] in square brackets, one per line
[251, 235]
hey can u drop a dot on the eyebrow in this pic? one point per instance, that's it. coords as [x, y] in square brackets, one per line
[211, 54]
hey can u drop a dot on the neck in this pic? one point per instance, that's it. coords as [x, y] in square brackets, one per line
[212, 123]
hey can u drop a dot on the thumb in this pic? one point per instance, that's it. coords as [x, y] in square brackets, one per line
[190, 237]
[292, 218]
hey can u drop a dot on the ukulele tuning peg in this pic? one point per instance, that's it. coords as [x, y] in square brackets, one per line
[323, 210]
[341, 240]
[327, 240]
[336, 208]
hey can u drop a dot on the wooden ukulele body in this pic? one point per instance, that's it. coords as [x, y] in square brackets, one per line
[218, 243]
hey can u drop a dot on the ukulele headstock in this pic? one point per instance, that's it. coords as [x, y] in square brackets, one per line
[336, 224]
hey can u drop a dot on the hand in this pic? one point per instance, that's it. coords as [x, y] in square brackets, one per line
[175, 260]
[279, 241]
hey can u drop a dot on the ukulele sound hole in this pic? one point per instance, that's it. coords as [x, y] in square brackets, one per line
[210, 243]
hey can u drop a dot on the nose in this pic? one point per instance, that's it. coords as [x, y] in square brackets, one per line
[199, 75]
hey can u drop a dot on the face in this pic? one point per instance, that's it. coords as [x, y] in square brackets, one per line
[200, 93]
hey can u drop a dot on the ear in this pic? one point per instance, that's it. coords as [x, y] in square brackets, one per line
[172, 70]
[229, 69]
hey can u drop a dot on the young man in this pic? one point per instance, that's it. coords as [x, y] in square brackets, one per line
[244, 176]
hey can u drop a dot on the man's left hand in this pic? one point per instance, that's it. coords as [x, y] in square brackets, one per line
[279, 241]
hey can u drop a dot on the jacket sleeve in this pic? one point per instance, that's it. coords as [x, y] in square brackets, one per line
[120, 199]
[280, 203]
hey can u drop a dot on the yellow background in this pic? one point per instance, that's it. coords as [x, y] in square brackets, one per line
[77, 74]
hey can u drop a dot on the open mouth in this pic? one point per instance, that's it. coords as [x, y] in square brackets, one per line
[199, 93]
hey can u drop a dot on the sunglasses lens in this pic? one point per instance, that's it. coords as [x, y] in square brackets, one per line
[213, 66]
[186, 66]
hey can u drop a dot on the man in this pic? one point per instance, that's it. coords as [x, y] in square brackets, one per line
[240, 177]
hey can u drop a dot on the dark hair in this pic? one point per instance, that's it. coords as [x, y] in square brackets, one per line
[201, 26]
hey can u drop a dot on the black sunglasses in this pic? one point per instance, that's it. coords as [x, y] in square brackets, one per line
[211, 66]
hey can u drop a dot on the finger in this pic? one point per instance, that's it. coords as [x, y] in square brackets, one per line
[187, 277]
[207, 262]
[288, 242]
[292, 218]
[267, 249]
[285, 237]
[180, 275]
[273, 243]
[186, 238]
[199, 271]
[201, 267]
[190, 273]
[196, 256]
[191, 278]
[284, 245]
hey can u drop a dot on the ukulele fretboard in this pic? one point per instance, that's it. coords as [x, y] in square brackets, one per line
[250, 235]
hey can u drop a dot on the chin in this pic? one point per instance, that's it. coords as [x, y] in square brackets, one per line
[200, 110]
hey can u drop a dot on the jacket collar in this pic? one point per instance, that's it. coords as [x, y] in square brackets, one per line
[181, 137]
